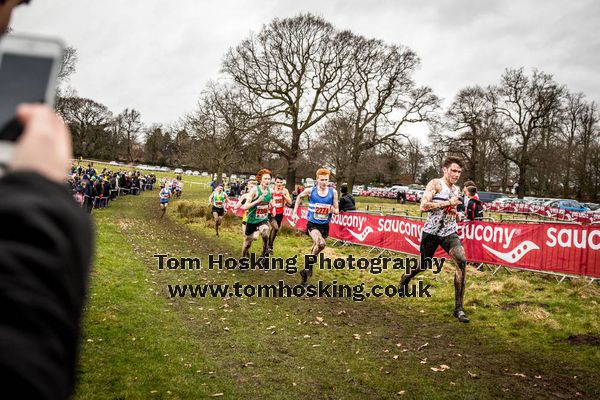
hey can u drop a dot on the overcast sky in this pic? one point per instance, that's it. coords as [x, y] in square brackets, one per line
[156, 56]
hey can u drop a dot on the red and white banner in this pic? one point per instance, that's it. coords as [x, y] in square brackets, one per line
[563, 248]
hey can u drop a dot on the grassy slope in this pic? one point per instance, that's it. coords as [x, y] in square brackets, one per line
[138, 343]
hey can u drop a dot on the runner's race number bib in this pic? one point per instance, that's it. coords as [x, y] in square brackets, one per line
[219, 204]
[262, 211]
[322, 211]
[278, 202]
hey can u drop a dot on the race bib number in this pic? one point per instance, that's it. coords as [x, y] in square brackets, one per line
[261, 211]
[322, 211]
[278, 202]
[219, 204]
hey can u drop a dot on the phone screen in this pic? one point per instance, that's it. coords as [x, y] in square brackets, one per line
[23, 79]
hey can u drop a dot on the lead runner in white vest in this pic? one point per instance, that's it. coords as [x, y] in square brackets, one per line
[440, 200]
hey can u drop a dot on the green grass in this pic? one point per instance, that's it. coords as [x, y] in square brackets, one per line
[138, 343]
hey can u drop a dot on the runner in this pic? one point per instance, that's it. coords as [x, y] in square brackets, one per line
[322, 201]
[164, 195]
[257, 220]
[179, 187]
[242, 200]
[218, 199]
[281, 196]
[440, 199]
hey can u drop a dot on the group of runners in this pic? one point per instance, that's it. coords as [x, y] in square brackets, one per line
[169, 188]
[264, 204]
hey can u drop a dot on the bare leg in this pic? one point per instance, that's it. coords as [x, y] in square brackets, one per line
[246, 245]
[273, 233]
[460, 278]
[317, 247]
[264, 233]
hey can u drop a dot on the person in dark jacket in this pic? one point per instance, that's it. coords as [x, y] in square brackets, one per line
[347, 202]
[465, 196]
[44, 258]
[474, 210]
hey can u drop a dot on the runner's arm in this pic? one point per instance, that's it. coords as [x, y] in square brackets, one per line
[249, 204]
[427, 204]
[305, 193]
[210, 199]
[336, 204]
[287, 197]
[239, 203]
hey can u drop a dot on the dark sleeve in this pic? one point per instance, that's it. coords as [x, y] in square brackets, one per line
[45, 250]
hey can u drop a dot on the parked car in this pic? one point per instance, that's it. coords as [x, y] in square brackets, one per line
[178, 171]
[196, 173]
[569, 205]
[203, 174]
[488, 197]
[592, 206]
[188, 172]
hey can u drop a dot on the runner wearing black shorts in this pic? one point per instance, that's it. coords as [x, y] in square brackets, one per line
[281, 198]
[258, 207]
[218, 199]
[440, 200]
[322, 202]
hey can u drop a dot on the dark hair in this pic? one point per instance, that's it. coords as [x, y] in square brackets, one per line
[472, 190]
[278, 177]
[468, 183]
[344, 189]
[452, 160]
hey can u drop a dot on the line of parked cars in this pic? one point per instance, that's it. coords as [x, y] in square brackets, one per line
[562, 204]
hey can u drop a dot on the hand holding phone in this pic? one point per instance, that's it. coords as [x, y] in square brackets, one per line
[45, 146]
[28, 73]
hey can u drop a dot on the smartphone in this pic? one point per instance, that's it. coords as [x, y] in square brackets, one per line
[29, 68]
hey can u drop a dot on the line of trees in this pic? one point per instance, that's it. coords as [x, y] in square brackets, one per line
[301, 94]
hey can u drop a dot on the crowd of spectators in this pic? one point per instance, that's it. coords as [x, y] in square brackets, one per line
[95, 189]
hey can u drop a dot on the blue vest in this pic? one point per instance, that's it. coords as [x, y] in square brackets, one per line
[319, 210]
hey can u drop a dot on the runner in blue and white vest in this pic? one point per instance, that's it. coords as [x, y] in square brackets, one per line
[322, 202]
[164, 196]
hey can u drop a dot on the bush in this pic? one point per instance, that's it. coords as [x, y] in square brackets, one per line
[191, 210]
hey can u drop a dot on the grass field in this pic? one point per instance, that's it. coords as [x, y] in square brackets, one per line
[528, 337]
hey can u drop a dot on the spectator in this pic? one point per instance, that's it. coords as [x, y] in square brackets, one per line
[346, 202]
[44, 258]
[474, 209]
[462, 207]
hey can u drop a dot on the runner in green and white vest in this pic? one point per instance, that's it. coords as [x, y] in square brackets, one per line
[257, 218]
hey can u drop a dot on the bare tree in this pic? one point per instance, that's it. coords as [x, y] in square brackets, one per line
[68, 65]
[129, 126]
[88, 121]
[222, 124]
[472, 118]
[587, 138]
[523, 104]
[293, 71]
[382, 97]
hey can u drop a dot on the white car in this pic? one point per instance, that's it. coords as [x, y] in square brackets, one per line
[195, 173]
[178, 171]
[203, 174]
[165, 169]
[113, 163]
[188, 172]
